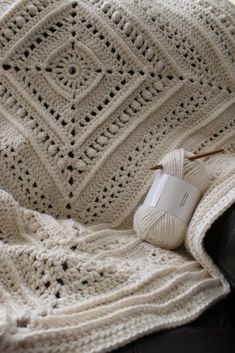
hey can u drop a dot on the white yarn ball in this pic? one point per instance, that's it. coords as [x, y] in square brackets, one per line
[159, 227]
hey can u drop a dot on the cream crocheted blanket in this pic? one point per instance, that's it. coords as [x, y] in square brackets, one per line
[92, 94]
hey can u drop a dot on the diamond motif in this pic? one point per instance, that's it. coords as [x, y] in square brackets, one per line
[74, 68]
[82, 87]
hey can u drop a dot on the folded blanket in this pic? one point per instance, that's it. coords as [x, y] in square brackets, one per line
[92, 94]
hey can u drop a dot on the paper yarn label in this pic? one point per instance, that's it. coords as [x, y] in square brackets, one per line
[173, 195]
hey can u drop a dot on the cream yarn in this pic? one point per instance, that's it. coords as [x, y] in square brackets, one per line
[97, 107]
[159, 227]
[92, 92]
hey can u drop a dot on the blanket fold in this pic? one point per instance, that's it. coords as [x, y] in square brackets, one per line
[92, 94]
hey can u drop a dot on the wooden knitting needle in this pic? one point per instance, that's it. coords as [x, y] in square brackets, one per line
[192, 158]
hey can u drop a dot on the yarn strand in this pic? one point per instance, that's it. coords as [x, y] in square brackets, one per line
[159, 227]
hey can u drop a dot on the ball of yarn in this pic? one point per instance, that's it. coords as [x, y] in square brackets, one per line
[159, 227]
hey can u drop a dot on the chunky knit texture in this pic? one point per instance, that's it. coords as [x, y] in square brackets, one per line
[92, 94]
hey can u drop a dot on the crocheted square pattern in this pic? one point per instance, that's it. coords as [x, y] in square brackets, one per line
[92, 94]
[90, 88]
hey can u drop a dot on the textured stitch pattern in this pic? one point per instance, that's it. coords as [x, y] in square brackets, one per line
[92, 94]
[95, 89]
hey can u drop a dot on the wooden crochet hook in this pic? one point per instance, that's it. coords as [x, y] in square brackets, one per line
[192, 158]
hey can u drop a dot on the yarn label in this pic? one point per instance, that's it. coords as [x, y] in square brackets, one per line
[173, 195]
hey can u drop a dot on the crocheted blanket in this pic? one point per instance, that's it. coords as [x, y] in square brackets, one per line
[92, 94]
